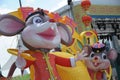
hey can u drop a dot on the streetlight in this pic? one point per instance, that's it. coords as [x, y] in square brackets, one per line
[70, 3]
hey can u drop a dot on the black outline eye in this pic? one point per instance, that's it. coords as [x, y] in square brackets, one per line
[104, 56]
[37, 20]
[92, 55]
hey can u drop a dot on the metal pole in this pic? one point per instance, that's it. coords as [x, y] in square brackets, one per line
[71, 9]
[72, 13]
[20, 3]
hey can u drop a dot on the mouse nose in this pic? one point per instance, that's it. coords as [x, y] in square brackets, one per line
[95, 59]
[51, 20]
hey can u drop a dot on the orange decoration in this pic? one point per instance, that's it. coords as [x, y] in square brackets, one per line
[64, 19]
[86, 20]
[26, 11]
[85, 4]
[69, 21]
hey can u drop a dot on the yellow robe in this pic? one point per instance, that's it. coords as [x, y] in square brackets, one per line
[72, 73]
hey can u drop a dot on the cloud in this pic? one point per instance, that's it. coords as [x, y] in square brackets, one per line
[29, 2]
[5, 10]
[59, 5]
[62, 3]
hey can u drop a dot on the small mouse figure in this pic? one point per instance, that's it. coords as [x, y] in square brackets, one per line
[39, 34]
[98, 61]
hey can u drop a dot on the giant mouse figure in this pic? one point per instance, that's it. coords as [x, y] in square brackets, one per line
[98, 61]
[39, 34]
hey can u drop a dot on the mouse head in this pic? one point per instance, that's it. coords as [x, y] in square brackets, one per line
[99, 58]
[38, 31]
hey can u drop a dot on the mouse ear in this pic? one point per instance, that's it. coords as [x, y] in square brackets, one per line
[66, 36]
[112, 54]
[10, 25]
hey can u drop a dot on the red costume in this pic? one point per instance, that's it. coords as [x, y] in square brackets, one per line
[98, 75]
[45, 65]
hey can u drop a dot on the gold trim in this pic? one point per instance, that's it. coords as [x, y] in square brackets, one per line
[25, 55]
[52, 77]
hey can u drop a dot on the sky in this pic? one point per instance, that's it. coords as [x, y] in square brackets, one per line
[51, 5]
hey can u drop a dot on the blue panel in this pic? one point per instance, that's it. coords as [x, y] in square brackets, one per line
[105, 16]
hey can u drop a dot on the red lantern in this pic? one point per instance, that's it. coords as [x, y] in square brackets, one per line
[85, 4]
[86, 20]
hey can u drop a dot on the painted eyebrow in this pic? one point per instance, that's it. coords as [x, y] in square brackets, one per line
[35, 13]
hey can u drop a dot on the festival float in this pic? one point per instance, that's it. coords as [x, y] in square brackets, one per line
[30, 57]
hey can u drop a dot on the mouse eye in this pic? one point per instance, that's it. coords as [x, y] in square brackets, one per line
[92, 55]
[37, 20]
[104, 56]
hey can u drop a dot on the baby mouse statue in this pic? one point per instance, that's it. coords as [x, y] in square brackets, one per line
[98, 61]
